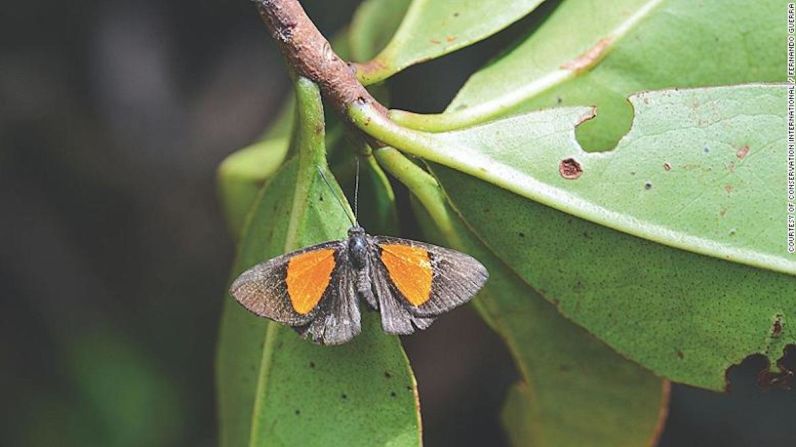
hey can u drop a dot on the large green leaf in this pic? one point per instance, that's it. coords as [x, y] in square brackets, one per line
[686, 317]
[696, 172]
[577, 391]
[277, 389]
[431, 29]
[590, 52]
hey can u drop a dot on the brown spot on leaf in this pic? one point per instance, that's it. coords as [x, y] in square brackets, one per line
[776, 326]
[742, 152]
[373, 66]
[435, 41]
[728, 188]
[680, 354]
[450, 38]
[589, 58]
[569, 168]
[667, 166]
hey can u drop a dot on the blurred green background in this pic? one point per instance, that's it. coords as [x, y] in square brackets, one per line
[113, 252]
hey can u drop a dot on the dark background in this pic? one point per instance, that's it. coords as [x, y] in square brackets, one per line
[113, 253]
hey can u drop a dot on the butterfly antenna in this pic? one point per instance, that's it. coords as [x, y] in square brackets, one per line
[353, 219]
[356, 193]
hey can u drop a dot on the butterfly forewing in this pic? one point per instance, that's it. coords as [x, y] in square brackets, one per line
[291, 288]
[427, 279]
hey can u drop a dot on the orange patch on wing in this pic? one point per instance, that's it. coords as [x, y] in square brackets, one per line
[308, 276]
[410, 269]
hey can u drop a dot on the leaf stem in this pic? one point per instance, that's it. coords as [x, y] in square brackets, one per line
[421, 184]
[311, 149]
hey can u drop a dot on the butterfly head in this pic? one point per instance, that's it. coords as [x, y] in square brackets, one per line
[356, 230]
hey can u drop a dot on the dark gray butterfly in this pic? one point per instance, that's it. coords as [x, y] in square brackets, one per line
[317, 289]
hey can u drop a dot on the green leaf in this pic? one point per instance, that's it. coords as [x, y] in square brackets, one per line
[696, 171]
[577, 390]
[274, 387]
[588, 53]
[684, 316]
[433, 29]
[373, 25]
[242, 174]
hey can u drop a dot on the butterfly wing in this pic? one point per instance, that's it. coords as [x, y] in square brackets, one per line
[291, 288]
[427, 280]
[337, 319]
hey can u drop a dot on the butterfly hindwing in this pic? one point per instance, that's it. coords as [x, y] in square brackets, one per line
[395, 318]
[337, 319]
[294, 287]
[427, 279]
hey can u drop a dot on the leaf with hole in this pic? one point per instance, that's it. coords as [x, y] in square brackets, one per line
[586, 53]
[685, 316]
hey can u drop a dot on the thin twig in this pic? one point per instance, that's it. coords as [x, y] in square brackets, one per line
[310, 54]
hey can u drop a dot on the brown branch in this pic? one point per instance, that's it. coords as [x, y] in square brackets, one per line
[310, 54]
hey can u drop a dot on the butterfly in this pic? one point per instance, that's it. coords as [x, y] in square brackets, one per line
[317, 290]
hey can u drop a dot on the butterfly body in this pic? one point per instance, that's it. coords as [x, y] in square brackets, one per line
[317, 290]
